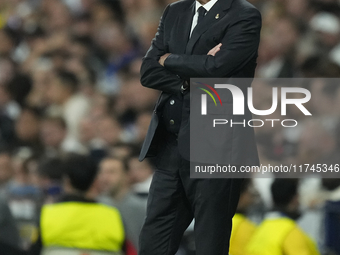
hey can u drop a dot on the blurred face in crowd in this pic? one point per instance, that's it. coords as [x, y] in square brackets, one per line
[79, 52]
[139, 171]
[58, 14]
[133, 5]
[328, 39]
[4, 96]
[58, 93]
[27, 126]
[112, 38]
[297, 7]
[87, 131]
[315, 142]
[76, 66]
[6, 44]
[320, 102]
[294, 205]
[112, 176]
[137, 97]
[100, 14]
[7, 70]
[146, 27]
[247, 198]
[20, 172]
[38, 95]
[5, 167]
[109, 130]
[100, 105]
[121, 151]
[285, 35]
[81, 27]
[52, 133]
[31, 167]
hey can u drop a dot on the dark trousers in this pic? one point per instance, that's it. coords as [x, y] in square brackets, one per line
[175, 199]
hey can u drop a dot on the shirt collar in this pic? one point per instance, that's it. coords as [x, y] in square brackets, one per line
[206, 6]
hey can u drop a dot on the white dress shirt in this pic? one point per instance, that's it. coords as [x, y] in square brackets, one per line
[206, 6]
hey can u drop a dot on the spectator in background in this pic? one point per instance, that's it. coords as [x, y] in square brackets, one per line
[114, 182]
[53, 132]
[243, 229]
[120, 52]
[9, 40]
[41, 75]
[277, 48]
[327, 28]
[8, 106]
[78, 65]
[123, 150]
[78, 222]
[141, 175]
[330, 194]
[278, 233]
[24, 196]
[65, 100]
[27, 130]
[6, 129]
[50, 173]
[133, 99]
[19, 87]
[317, 144]
[6, 171]
[109, 131]
[9, 233]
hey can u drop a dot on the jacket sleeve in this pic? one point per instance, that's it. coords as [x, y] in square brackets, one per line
[153, 74]
[239, 45]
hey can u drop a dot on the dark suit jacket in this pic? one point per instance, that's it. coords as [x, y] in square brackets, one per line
[234, 23]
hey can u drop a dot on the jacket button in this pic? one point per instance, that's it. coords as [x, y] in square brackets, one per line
[172, 122]
[172, 102]
[154, 111]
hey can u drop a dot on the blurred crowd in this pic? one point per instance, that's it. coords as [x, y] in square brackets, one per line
[69, 84]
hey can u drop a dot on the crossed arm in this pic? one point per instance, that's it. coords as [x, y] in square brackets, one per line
[212, 52]
[162, 70]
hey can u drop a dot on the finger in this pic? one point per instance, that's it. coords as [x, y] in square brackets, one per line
[218, 47]
[216, 50]
[212, 49]
[212, 52]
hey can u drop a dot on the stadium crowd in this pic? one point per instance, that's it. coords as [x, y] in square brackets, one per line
[69, 86]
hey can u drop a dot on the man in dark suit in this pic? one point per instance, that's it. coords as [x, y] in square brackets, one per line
[205, 38]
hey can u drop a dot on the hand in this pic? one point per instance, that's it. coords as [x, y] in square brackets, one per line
[163, 58]
[214, 50]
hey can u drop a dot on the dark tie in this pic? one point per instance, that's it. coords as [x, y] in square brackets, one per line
[201, 13]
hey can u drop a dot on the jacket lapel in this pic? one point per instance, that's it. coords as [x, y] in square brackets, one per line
[184, 28]
[214, 15]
